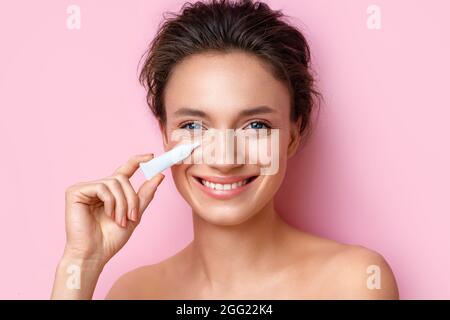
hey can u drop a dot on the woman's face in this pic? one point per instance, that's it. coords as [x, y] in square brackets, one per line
[213, 92]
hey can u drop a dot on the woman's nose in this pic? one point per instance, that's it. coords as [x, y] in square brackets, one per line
[225, 167]
[221, 151]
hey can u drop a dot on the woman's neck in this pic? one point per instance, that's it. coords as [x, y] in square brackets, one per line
[229, 254]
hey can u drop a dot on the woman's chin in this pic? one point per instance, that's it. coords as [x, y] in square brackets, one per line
[224, 216]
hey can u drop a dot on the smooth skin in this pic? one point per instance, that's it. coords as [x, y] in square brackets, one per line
[242, 248]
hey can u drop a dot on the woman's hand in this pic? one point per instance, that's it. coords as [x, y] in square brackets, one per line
[101, 215]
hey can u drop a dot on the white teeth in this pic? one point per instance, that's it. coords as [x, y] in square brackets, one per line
[227, 186]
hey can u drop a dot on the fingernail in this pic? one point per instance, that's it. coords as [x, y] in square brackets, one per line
[161, 180]
[146, 155]
[134, 214]
[124, 221]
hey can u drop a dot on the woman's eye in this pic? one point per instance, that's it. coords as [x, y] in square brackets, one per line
[257, 125]
[192, 126]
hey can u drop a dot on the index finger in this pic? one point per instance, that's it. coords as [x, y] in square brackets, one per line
[130, 167]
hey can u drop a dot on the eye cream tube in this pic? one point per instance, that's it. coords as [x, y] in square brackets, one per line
[167, 159]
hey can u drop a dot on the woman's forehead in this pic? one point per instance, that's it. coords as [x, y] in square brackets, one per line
[223, 82]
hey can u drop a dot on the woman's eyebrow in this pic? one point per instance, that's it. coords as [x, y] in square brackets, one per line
[190, 112]
[257, 110]
[184, 111]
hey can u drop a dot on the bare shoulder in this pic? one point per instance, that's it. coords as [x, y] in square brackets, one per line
[347, 271]
[147, 282]
[138, 282]
[362, 273]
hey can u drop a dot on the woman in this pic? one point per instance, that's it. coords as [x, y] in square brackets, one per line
[219, 65]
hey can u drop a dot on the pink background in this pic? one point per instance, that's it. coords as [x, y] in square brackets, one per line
[375, 173]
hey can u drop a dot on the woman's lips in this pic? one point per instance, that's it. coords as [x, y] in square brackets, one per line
[224, 188]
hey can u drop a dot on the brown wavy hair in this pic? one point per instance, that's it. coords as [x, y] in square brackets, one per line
[225, 26]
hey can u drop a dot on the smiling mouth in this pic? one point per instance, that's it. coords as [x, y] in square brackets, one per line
[225, 186]
[233, 184]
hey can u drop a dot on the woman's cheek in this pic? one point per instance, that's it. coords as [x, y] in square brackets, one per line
[180, 178]
[264, 148]
[270, 152]
[177, 136]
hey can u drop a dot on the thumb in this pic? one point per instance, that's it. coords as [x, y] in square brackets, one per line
[147, 191]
